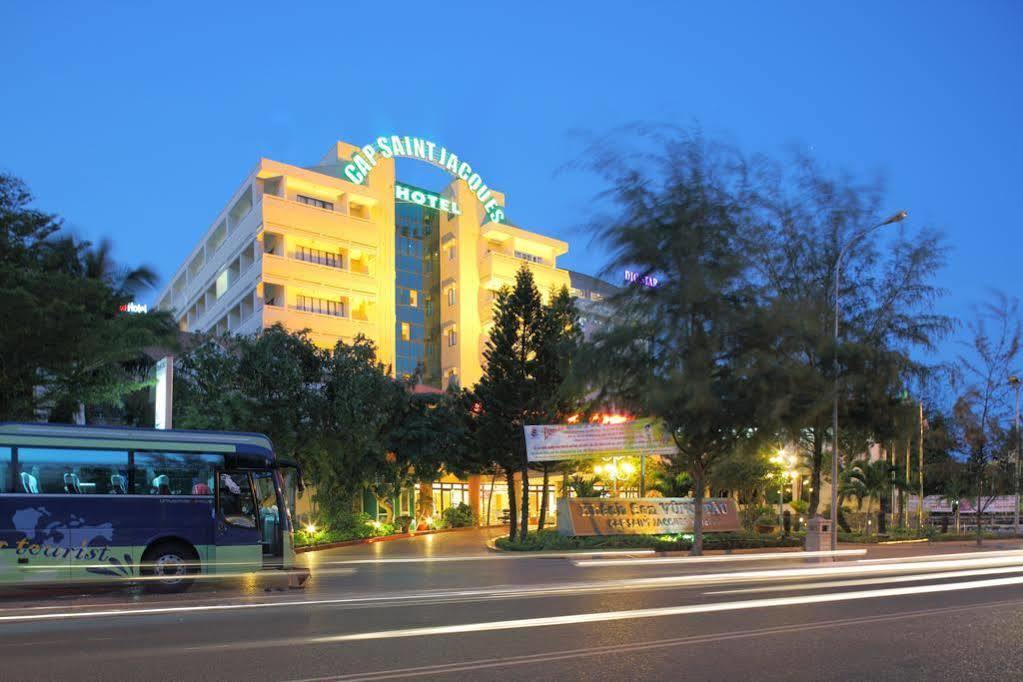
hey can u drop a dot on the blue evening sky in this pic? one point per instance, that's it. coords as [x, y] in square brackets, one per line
[137, 120]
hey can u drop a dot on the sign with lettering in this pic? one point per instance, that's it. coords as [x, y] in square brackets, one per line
[643, 516]
[365, 159]
[636, 278]
[134, 308]
[414, 195]
[553, 442]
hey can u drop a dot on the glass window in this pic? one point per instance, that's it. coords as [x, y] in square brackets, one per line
[5, 470]
[236, 506]
[413, 298]
[451, 296]
[56, 471]
[175, 473]
[406, 331]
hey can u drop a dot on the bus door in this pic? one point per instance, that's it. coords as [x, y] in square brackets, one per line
[237, 536]
[270, 526]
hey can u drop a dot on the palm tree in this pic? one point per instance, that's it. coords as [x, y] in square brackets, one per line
[866, 480]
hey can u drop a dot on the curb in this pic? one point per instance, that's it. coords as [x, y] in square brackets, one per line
[383, 538]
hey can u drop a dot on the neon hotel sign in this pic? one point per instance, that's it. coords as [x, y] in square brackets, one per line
[366, 158]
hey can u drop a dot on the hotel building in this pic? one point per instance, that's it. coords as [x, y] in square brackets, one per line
[343, 248]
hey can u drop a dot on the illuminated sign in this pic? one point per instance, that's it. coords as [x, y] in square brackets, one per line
[643, 516]
[134, 308]
[364, 160]
[636, 278]
[423, 198]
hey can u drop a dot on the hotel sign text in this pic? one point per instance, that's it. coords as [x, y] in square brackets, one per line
[364, 160]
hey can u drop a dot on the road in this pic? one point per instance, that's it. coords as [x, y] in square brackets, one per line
[443, 607]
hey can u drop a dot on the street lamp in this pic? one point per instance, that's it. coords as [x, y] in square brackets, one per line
[1014, 381]
[896, 218]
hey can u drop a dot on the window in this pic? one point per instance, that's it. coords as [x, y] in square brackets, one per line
[5, 470]
[236, 505]
[413, 298]
[529, 257]
[451, 253]
[449, 495]
[451, 296]
[322, 306]
[57, 471]
[406, 331]
[318, 203]
[328, 258]
[452, 337]
[175, 473]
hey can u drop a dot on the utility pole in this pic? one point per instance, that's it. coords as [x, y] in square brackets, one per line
[898, 217]
[920, 472]
[1014, 381]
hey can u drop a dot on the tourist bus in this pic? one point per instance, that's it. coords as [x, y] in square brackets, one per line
[157, 507]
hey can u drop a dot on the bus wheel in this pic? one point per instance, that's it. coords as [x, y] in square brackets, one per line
[167, 566]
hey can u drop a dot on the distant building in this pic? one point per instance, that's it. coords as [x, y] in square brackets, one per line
[591, 298]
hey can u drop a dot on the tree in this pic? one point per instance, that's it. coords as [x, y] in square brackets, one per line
[557, 347]
[428, 434]
[355, 409]
[982, 409]
[526, 361]
[65, 342]
[885, 301]
[692, 350]
[871, 481]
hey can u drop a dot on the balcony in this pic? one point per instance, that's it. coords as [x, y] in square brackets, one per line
[311, 219]
[498, 269]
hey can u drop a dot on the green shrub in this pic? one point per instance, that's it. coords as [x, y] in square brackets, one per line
[548, 540]
[459, 516]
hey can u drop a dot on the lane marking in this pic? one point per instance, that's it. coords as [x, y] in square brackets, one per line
[636, 614]
[718, 558]
[567, 654]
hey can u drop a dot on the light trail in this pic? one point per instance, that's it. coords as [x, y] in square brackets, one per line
[719, 558]
[661, 612]
[850, 569]
[919, 577]
[630, 647]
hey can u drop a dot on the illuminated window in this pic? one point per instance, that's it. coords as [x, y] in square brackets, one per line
[406, 331]
[413, 298]
[309, 201]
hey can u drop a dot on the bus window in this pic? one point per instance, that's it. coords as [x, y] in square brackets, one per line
[174, 473]
[74, 472]
[269, 511]
[236, 506]
[5, 470]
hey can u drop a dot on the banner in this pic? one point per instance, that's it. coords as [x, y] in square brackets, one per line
[553, 442]
[644, 516]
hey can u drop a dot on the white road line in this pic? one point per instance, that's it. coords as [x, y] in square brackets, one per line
[718, 558]
[661, 612]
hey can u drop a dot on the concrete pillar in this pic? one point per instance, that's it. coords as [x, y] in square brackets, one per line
[474, 497]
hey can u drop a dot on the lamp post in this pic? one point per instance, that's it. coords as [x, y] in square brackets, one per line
[1014, 381]
[898, 217]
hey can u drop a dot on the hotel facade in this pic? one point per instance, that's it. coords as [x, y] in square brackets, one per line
[343, 248]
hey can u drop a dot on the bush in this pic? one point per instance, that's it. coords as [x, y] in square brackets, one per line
[459, 516]
[349, 526]
[403, 523]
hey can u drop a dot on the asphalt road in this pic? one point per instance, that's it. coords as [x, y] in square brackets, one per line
[443, 607]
